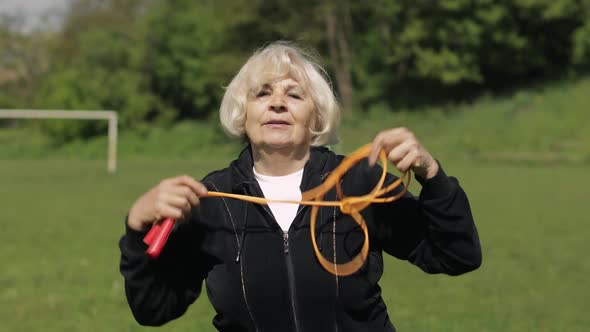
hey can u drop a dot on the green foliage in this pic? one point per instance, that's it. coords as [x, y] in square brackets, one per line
[157, 61]
[23, 61]
[581, 38]
[543, 125]
[89, 76]
[424, 51]
[185, 63]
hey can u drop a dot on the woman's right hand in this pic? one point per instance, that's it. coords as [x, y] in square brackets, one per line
[171, 198]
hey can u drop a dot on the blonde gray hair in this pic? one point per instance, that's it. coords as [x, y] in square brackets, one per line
[281, 59]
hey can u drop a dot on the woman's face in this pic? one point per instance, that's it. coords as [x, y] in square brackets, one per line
[280, 115]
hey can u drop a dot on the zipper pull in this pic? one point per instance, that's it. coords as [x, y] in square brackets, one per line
[286, 243]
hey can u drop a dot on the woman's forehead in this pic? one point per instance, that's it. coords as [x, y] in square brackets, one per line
[284, 82]
[265, 72]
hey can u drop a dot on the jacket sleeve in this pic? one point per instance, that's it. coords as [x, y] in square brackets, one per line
[434, 231]
[160, 290]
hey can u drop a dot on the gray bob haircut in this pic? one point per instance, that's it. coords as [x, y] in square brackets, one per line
[276, 60]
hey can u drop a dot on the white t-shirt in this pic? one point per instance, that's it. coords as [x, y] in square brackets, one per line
[282, 187]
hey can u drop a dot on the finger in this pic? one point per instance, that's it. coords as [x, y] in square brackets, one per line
[387, 140]
[184, 204]
[193, 199]
[375, 148]
[399, 152]
[180, 202]
[185, 192]
[181, 190]
[408, 160]
[164, 211]
[197, 187]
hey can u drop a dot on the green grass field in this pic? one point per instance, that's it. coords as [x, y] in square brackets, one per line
[61, 221]
[523, 159]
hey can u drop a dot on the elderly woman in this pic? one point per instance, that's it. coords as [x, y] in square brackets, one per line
[257, 260]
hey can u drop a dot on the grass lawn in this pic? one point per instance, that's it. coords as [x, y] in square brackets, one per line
[61, 221]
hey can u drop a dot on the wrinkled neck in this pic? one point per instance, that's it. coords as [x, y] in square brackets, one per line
[279, 162]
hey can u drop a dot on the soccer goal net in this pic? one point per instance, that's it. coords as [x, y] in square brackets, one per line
[110, 116]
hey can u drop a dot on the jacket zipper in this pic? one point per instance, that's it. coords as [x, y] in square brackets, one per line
[288, 260]
[291, 278]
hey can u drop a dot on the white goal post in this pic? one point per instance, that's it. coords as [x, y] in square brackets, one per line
[111, 116]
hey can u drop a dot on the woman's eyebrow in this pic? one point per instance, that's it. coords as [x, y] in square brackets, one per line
[297, 88]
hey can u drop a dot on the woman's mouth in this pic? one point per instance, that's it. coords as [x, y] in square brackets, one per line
[277, 123]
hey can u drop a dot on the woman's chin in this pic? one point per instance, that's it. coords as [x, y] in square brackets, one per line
[282, 145]
[279, 141]
[279, 145]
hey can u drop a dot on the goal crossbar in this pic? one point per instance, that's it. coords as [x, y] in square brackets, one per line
[110, 116]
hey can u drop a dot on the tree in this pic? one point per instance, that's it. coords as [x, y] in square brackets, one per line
[87, 75]
[411, 52]
[338, 34]
[23, 61]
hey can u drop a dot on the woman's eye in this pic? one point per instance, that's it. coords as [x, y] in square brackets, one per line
[296, 96]
[262, 93]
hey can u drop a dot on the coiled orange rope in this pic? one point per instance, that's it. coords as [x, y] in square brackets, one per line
[351, 205]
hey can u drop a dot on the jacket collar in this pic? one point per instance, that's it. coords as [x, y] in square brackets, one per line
[313, 171]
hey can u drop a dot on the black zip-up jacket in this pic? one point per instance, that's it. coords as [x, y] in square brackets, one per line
[259, 279]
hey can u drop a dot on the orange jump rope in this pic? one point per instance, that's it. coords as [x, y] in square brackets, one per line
[352, 205]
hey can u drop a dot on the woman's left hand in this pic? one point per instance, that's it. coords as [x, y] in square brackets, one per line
[405, 151]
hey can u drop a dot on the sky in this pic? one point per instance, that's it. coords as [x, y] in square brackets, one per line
[33, 12]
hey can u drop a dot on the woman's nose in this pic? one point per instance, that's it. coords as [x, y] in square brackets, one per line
[277, 104]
